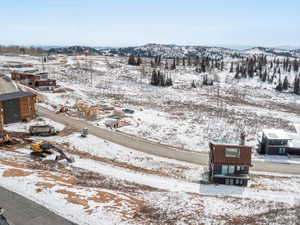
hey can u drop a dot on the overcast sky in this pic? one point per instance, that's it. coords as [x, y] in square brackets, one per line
[137, 22]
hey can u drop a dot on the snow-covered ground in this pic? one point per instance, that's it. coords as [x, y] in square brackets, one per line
[179, 115]
[111, 184]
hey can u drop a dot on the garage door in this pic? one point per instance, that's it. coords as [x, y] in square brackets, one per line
[12, 112]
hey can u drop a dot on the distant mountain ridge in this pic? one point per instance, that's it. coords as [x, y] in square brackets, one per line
[171, 51]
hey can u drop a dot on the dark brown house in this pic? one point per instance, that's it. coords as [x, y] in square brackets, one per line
[229, 164]
[47, 84]
[24, 76]
[16, 107]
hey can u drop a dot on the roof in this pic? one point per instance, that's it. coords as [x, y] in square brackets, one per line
[276, 134]
[15, 95]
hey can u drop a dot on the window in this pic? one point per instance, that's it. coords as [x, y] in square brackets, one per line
[281, 150]
[238, 168]
[230, 169]
[232, 152]
[226, 169]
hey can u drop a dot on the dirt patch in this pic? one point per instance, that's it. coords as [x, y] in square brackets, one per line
[38, 190]
[92, 179]
[45, 184]
[74, 198]
[68, 180]
[121, 164]
[16, 173]
[13, 164]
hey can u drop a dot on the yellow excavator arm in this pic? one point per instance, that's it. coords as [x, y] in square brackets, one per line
[37, 147]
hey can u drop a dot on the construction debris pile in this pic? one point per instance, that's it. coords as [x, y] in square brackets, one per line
[114, 118]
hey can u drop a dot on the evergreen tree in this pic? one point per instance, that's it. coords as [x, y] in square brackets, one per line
[222, 66]
[173, 66]
[189, 61]
[166, 65]
[193, 85]
[138, 61]
[131, 60]
[297, 85]
[295, 65]
[279, 85]
[264, 76]
[231, 68]
[285, 85]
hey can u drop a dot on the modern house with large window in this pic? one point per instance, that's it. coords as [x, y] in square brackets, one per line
[229, 164]
[274, 142]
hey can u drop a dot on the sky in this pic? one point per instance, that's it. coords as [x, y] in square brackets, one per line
[136, 22]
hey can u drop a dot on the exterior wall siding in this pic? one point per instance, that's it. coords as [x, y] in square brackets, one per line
[219, 155]
[25, 108]
[274, 150]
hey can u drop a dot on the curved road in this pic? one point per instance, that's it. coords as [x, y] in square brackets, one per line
[150, 147]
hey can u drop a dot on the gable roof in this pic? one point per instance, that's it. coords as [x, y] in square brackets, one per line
[15, 95]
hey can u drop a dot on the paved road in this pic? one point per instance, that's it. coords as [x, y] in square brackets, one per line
[146, 146]
[21, 211]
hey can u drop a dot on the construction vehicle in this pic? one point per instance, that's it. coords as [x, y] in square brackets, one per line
[44, 148]
[84, 132]
[42, 130]
[6, 139]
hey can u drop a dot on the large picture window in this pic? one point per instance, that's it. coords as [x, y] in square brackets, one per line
[227, 169]
[232, 152]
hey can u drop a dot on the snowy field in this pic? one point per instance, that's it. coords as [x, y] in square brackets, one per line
[179, 115]
[110, 184]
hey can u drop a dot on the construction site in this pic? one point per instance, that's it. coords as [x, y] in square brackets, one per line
[63, 146]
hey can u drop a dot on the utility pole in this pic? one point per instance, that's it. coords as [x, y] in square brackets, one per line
[43, 63]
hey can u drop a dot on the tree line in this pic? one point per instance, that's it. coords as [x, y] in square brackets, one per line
[15, 49]
[268, 71]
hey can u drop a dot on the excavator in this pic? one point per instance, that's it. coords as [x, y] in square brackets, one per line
[6, 139]
[44, 148]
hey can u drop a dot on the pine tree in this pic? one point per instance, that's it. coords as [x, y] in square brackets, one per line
[295, 65]
[297, 85]
[138, 61]
[237, 72]
[279, 85]
[193, 85]
[173, 66]
[166, 65]
[189, 61]
[222, 65]
[264, 76]
[154, 78]
[285, 85]
[231, 68]
[131, 60]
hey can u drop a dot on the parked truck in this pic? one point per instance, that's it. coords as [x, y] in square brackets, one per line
[42, 130]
